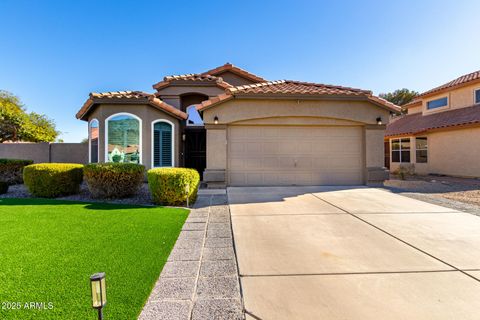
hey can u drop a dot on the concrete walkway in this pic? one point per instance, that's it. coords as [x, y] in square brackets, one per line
[353, 253]
[200, 280]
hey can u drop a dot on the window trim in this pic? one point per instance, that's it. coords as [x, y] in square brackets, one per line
[90, 141]
[416, 149]
[152, 142]
[140, 145]
[400, 150]
[438, 108]
[475, 95]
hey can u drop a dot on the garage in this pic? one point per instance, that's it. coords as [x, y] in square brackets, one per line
[295, 155]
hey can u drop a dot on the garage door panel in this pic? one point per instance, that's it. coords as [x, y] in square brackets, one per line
[295, 155]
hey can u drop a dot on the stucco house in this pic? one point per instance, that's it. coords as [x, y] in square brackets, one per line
[237, 128]
[440, 134]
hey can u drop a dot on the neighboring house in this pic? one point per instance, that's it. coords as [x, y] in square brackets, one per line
[237, 128]
[441, 132]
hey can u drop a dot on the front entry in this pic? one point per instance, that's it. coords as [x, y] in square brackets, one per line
[196, 149]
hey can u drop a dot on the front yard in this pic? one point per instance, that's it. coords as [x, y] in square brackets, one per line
[49, 248]
[457, 193]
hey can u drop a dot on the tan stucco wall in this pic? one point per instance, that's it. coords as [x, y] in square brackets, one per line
[450, 152]
[234, 79]
[295, 113]
[246, 109]
[171, 94]
[217, 148]
[455, 152]
[457, 98]
[147, 114]
[46, 152]
[374, 148]
[415, 109]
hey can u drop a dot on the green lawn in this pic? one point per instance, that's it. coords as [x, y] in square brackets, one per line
[49, 248]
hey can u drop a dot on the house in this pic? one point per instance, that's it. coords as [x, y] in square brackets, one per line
[237, 128]
[440, 134]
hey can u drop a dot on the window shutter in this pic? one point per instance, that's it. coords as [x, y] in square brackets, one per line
[162, 145]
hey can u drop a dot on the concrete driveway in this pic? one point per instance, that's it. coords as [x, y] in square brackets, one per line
[353, 253]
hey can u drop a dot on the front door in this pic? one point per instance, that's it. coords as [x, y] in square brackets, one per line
[196, 149]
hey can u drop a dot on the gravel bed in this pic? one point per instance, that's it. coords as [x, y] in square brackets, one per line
[141, 198]
[455, 193]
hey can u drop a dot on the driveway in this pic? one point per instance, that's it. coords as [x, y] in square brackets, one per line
[353, 253]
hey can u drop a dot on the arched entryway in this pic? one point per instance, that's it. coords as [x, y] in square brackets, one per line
[194, 134]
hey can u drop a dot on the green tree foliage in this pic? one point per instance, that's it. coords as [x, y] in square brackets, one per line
[16, 124]
[400, 96]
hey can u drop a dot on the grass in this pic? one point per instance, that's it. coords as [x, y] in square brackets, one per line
[49, 249]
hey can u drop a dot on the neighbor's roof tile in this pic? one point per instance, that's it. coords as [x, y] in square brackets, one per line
[418, 123]
[458, 82]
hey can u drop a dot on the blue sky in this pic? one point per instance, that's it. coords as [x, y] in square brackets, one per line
[53, 53]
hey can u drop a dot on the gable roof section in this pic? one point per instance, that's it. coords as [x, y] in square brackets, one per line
[236, 70]
[295, 88]
[461, 81]
[129, 97]
[417, 123]
[168, 80]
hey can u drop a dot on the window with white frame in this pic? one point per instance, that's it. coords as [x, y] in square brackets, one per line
[93, 131]
[401, 150]
[123, 140]
[477, 96]
[162, 144]
[421, 150]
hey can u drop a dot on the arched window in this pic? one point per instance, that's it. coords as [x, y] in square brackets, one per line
[162, 144]
[123, 141]
[93, 131]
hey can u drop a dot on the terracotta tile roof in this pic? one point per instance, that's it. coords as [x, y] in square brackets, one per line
[458, 82]
[218, 81]
[418, 123]
[127, 97]
[294, 88]
[234, 69]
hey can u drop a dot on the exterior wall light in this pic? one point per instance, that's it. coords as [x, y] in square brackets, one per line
[99, 292]
[379, 121]
[215, 120]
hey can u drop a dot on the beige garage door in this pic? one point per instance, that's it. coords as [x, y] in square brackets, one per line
[294, 155]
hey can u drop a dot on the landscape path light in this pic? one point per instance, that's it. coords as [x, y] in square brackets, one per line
[99, 292]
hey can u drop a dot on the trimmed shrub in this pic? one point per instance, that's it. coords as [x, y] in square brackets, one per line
[3, 187]
[50, 180]
[11, 170]
[114, 180]
[167, 185]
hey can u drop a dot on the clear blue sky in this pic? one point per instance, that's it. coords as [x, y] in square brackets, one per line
[53, 53]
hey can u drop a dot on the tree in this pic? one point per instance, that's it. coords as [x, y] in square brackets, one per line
[400, 96]
[18, 125]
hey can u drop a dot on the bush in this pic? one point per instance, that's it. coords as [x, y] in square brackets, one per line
[11, 170]
[51, 180]
[114, 180]
[3, 187]
[167, 185]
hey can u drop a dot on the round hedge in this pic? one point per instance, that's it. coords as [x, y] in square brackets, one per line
[114, 180]
[168, 185]
[50, 180]
[11, 170]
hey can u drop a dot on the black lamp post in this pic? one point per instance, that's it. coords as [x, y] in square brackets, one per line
[99, 292]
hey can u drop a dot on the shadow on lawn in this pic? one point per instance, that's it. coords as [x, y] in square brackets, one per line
[86, 205]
